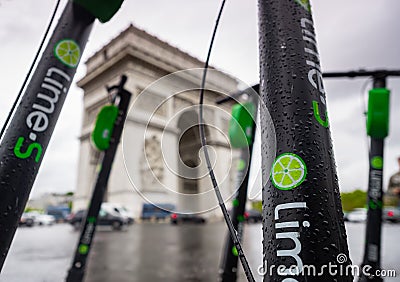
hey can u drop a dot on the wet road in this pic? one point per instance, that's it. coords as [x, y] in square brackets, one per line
[153, 252]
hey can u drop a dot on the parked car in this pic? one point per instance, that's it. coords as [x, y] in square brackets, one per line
[106, 218]
[60, 213]
[177, 218]
[75, 219]
[253, 216]
[391, 214]
[357, 215]
[26, 220]
[157, 212]
[44, 219]
[40, 218]
[118, 208]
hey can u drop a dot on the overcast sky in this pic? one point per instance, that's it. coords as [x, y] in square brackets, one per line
[351, 34]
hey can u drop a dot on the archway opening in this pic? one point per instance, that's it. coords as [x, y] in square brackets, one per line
[189, 146]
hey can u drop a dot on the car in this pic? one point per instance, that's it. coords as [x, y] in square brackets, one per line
[177, 218]
[59, 212]
[118, 208]
[75, 219]
[41, 219]
[357, 215]
[156, 211]
[26, 220]
[44, 219]
[106, 218]
[391, 214]
[253, 216]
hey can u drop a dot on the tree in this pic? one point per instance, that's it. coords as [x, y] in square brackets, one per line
[353, 200]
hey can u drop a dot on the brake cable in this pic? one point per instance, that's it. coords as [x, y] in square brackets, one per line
[225, 213]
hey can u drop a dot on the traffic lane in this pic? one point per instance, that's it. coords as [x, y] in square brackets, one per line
[40, 254]
[154, 252]
[158, 252]
[161, 252]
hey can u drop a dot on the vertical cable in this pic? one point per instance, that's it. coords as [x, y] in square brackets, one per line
[228, 221]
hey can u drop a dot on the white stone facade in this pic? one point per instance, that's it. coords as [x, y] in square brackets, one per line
[153, 151]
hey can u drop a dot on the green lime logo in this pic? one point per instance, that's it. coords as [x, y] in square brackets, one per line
[288, 171]
[83, 249]
[305, 3]
[68, 52]
[377, 162]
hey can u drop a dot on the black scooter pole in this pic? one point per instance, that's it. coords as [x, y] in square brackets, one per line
[228, 267]
[25, 142]
[372, 251]
[77, 270]
[377, 129]
[229, 259]
[303, 223]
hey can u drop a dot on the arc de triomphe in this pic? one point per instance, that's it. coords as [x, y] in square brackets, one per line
[161, 139]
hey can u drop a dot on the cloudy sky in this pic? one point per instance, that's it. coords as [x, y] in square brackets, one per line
[351, 35]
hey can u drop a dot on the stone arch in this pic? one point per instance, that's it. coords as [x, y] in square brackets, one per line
[189, 145]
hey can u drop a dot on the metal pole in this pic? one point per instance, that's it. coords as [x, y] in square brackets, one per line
[228, 267]
[372, 250]
[379, 130]
[25, 141]
[229, 264]
[303, 219]
[362, 73]
[77, 270]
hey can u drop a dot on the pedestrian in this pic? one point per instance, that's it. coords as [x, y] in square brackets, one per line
[393, 192]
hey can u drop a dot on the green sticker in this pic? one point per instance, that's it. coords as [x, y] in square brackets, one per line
[288, 171]
[68, 52]
[83, 249]
[235, 202]
[240, 218]
[377, 162]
